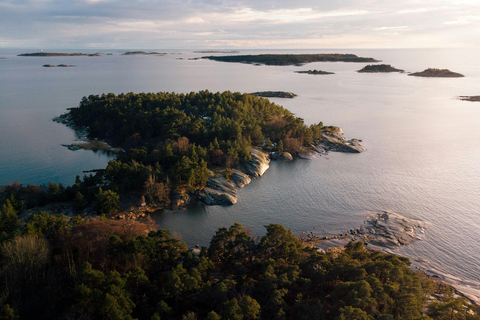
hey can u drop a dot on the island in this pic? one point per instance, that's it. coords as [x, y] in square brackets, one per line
[470, 98]
[290, 59]
[215, 51]
[437, 73]
[275, 94]
[59, 65]
[374, 68]
[58, 54]
[132, 53]
[315, 72]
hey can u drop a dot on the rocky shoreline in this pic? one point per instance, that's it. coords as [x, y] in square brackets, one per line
[388, 231]
[222, 191]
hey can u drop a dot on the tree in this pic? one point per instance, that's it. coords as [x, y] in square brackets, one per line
[108, 201]
[250, 308]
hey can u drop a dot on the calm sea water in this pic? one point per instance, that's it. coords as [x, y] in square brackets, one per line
[422, 158]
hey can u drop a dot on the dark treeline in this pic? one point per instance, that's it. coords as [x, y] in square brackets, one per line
[291, 59]
[57, 268]
[171, 141]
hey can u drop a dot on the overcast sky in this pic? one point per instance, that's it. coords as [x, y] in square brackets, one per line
[228, 24]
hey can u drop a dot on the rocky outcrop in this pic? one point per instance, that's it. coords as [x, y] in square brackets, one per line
[383, 230]
[391, 230]
[336, 142]
[259, 164]
[437, 73]
[281, 156]
[220, 191]
[375, 68]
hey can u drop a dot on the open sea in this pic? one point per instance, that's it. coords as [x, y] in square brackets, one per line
[422, 158]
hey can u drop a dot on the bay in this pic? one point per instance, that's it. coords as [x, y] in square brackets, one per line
[422, 157]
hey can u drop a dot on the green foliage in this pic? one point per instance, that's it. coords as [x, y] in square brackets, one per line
[119, 270]
[108, 201]
[7, 313]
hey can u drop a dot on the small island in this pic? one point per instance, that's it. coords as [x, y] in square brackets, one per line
[58, 65]
[470, 98]
[314, 72]
[437, 73]
[275, 94]
[58, 54]
[290, 59]
[378, 68]
[132, 53]
[215, 51]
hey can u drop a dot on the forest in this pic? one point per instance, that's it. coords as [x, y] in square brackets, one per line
[54, 267]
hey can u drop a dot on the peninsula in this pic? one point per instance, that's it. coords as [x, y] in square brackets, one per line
[290, 59]
[179, 145]
[375, 68]
[58, 54]
[437, 73]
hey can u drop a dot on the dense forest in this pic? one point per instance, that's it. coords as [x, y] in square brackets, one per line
[52, 267]
[291, 59]
[172, 141]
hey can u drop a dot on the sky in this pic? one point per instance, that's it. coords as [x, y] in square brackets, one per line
[241, 24]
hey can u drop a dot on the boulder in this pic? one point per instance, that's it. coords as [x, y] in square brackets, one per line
[240, 178]
[215, 197]
[259, 164]
[283, 156]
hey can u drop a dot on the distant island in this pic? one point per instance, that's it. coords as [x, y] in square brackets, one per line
[290, 59]
[374, 68]
[215, 51]
[130, 53]
[470, 98]
[58, 54]
[275, 94]
[437, 73]
[58, 65]
[315, 72]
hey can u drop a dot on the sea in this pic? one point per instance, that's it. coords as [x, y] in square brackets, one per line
[423, 143]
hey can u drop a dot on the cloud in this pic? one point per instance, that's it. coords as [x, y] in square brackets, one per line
[248, 23]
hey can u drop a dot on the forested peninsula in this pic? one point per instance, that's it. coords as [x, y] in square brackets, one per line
[290, 59]
[175, 143]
